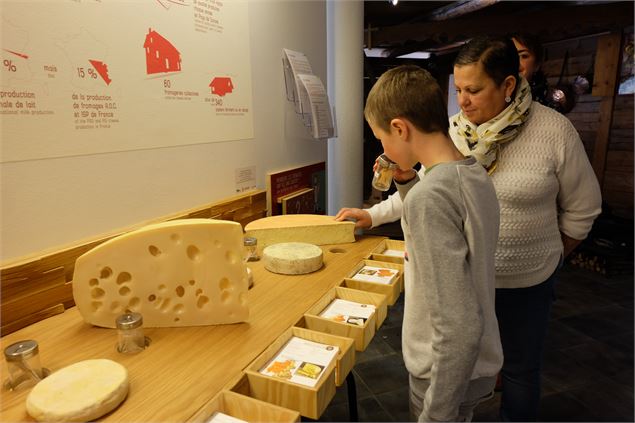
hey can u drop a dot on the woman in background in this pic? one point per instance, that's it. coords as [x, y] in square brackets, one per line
[530, 53]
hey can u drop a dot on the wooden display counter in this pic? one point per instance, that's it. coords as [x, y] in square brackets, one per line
[184, 369]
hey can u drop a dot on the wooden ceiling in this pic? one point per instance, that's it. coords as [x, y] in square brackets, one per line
[442, 26]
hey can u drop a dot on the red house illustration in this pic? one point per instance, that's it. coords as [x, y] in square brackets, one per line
[161, 55]
[221, 85]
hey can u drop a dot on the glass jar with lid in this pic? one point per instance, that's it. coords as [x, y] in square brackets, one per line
[23, 363]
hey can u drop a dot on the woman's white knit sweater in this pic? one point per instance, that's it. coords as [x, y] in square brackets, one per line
[545, 185]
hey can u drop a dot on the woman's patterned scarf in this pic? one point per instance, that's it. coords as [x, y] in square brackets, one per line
[483, 141]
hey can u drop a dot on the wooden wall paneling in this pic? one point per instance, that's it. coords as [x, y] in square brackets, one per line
[622, 139]
[606, 73]
[607, 64]
[38, 287]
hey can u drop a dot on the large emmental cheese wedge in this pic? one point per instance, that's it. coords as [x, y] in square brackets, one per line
[80, 392]
[310, 228]
[186, 272]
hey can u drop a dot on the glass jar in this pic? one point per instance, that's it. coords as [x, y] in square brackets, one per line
[251, 248]
[130, 333]
[23, 362]
[382, 177]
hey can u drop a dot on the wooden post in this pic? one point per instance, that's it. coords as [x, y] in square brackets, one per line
[606, 74]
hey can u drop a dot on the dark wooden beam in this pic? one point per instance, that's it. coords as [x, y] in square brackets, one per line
[606, 74]
[553, 24]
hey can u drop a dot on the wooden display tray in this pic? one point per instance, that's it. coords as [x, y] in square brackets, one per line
[308, 401]
[362, 335]
[391, 291]
[388, 244]
[245, 408]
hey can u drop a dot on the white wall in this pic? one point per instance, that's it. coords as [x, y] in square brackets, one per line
[51, 203]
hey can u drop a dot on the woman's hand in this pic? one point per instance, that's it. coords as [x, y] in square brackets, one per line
[403, 176]
[361, 217]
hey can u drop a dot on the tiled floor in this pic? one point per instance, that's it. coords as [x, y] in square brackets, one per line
[588, 367]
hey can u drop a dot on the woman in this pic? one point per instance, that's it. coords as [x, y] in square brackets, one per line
[548, 196]
[530, 53]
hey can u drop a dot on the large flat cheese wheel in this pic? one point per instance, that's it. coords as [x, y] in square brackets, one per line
[292, 258]
[81, 392]
[311, 228]
[186, 272]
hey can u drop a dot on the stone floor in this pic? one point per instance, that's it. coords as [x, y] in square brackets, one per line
[588, 366]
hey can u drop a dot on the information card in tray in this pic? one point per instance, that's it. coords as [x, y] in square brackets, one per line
[394, 253]
[219, 417]
[345, 311]
[376, 274]
[301, 361]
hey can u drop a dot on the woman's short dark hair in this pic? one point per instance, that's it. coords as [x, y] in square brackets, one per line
[497, 54]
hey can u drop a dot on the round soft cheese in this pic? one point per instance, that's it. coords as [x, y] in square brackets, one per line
[81, 392]
[292, 258]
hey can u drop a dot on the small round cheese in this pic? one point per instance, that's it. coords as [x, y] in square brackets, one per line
[292, 258]
[81, 392]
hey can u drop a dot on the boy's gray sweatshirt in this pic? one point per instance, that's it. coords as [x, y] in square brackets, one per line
[450, 333]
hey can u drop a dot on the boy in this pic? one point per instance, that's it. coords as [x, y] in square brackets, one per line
[451, 345]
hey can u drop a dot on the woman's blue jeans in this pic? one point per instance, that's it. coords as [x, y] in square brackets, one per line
[523, 316]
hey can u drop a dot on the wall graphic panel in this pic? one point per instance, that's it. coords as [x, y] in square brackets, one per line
[89, 76]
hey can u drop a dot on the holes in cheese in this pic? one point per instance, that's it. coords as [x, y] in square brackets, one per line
[292, 258]
[179, 273]
[81, 392]
[309, 228]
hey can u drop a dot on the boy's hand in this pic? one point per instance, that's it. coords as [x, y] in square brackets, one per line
[361, 217]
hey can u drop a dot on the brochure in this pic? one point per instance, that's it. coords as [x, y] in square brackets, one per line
[350, 312]
[376, 274]
[394, 253]
[301, 361]
[219, 417]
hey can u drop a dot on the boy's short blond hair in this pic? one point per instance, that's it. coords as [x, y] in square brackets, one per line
[409, 92]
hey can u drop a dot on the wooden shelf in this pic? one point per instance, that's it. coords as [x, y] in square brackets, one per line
[362, 335]
[308, 401]
[245, 408]
[391, 291]
[388, 244]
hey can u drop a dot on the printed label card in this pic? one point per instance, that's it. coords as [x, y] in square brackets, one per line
[344, 311]
[394, 253]
[301, 361]
[376, 274]
[219, 417]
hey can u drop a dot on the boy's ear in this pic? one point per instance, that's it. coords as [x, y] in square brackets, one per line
[400, 127]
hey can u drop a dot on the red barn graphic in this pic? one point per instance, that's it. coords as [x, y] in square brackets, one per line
[221, 85]
[161, 55]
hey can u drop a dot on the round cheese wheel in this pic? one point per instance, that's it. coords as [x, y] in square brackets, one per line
[292, 258]
[80, 392]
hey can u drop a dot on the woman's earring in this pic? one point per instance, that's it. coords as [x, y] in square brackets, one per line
[508, 99]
